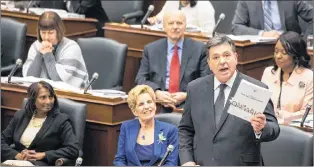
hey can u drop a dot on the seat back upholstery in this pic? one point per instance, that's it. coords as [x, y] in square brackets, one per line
[172, 118]
[116, 9]
[13, 36]
[228, 8]
[308, 156]
[77, 114]
[289, 149]
[107, 57]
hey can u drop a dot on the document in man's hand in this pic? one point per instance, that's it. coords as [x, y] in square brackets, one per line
[249, 100]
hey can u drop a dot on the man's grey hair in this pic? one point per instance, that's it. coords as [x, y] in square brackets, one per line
[220, 40]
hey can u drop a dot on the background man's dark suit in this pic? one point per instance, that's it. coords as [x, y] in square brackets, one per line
[249, 17]
[233, 142]
[55, 133]
[152, 71]
[92, 9]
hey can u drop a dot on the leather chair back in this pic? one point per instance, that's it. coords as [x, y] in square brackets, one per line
[116, 9]
[107, 57]
[13, 36]
[172, 118]
[228, 8]
[77, 114]
[308, 157]
[289, 149]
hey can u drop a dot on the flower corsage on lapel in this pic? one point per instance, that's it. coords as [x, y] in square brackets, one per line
[301, 84]
[161, 137]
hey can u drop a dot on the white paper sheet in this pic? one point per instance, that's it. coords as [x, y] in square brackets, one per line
[249, 100]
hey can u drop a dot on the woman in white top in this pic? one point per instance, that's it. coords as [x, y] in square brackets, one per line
[198, 13]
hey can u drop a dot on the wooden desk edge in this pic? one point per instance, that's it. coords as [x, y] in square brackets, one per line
[70, 95]
[126, 28]
[36, 17]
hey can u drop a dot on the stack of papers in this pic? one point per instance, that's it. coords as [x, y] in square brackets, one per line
[18, 163]
[108, 93]
[60, 12]
[253, 38]
[308, 121]
[27, 81]
[159, 27]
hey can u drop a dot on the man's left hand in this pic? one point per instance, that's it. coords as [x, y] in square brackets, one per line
[179, 96]
[258, 122]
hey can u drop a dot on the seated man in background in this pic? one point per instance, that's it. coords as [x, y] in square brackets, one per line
[169, 64]
[270, 18]
[54, 56]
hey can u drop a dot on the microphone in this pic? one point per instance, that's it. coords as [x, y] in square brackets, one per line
[149, 11]
[94, 78]
[78, 161]
[221, 17]
[170, 148]
[307, 110]
[29, 5]
[18, 63]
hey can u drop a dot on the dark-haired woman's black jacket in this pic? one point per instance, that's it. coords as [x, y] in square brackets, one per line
[56, 137]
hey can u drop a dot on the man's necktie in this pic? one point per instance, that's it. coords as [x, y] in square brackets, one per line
[220, 102]
[268, 24]
[174, 72]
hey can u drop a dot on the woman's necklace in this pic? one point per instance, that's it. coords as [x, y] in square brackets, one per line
[143, 135]
[35, 123]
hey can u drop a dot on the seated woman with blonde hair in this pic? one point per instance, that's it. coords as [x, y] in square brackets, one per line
[290, 79]
[41, 134]
[144, 141]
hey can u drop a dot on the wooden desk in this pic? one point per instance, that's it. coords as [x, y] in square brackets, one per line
[75, 27]
[305, 129]
[252, 60]
[104, 117]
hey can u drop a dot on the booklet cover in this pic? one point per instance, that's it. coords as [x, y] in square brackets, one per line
[249, 100]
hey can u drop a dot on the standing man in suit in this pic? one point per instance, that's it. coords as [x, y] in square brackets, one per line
[270, 18]
[208, 135]
[169, 64]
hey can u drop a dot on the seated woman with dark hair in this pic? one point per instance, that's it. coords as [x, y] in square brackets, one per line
[54, 56]
[290, 78]
[144, 141]
[40, 132]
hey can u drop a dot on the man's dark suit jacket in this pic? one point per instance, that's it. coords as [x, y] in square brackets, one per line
[249, 17]
[233, 142]
[152, 71]
[56, 137]
[92, 9]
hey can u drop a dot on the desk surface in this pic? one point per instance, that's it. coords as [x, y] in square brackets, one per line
[74, 26]
[99, 109]
[197, 36]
